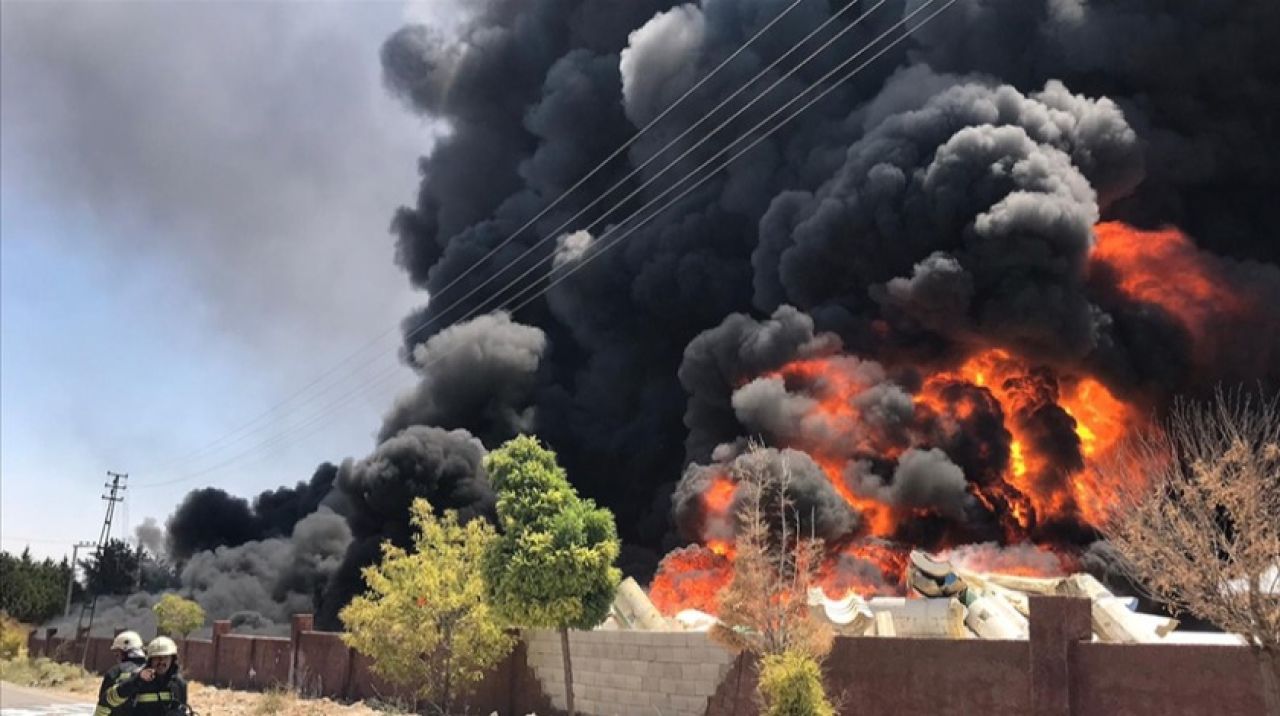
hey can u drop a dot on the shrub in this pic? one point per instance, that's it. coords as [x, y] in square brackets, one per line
[42, 672]
[791, 685]
[13, 637]
[424, 620]
[176, 616]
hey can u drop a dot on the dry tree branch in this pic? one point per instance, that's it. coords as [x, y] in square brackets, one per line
[1196, 519]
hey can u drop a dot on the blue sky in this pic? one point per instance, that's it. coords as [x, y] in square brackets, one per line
[187, 236]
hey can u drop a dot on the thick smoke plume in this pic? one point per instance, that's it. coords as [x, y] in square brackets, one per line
[939, 292]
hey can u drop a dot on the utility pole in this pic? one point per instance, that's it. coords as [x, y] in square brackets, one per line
[115, 487]
[71, 579]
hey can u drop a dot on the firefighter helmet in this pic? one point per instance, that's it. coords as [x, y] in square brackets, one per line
[126, 641]
[162, 646]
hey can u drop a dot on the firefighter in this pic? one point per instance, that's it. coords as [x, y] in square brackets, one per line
[156, 689]
[129, 644]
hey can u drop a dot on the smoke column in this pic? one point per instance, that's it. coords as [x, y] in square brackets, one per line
[938, 295]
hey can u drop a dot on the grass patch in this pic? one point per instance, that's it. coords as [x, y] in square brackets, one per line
[43, 672]
[274, 701]
[390, 705]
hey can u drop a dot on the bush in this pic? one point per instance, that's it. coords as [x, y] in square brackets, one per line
[13, 637]
[424, 620]
[177, 617]
[42, 672]
[791, 685]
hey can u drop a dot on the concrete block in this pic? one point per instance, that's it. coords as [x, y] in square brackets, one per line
[685, 687]
[692, 705]
[660, 700]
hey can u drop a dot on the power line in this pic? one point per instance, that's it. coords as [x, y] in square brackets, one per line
[577, 266]
[393, 370]
[496, 249]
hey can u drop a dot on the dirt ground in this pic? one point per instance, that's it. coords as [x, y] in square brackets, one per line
[213, 701]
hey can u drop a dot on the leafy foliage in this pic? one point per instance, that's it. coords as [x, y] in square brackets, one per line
[32, 592]
[176, 616]
[113, 569]
[13, 637]
[552, 567]
[791, 685]
[424, 620]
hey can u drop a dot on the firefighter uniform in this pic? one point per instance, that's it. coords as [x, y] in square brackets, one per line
[164, 695]
[129, 644]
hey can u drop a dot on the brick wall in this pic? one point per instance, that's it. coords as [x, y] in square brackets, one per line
[624, 673]
[1055, 673]
[1160, 680]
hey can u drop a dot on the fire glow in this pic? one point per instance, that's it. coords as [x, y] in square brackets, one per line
[1029, 496]
[1027, 437]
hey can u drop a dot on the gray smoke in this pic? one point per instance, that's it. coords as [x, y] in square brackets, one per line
[922, 479]
[479, 376]
[816, 507]
[151, 536]
[740, 348]
[272, 578]
[443, 466]
[944, 199]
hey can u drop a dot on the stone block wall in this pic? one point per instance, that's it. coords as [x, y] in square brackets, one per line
[624, 673]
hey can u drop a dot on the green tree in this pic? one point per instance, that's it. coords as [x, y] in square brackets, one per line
[32, 591]
[113, 569]
[424, 620]
[552, 566]
[176, 616]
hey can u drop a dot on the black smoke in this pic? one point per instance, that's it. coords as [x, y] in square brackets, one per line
[943, 199]
[442, 466]
[208, 518]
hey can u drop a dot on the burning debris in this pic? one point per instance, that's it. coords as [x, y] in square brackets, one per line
[945, 601]
[942, 295]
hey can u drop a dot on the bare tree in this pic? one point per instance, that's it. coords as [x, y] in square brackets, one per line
[764, 608]
[1197, 517]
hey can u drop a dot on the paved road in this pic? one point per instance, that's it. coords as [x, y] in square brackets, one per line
[21, 701]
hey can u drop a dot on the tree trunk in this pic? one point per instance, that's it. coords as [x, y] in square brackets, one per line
[568, 671]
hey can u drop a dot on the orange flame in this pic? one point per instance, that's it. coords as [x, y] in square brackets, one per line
[690, 578]
[1165, 269]
[1040, 482]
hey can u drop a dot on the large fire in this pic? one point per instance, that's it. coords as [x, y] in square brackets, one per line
[1027, 437]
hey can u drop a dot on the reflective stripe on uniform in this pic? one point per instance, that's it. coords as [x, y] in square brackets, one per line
[155, 696]
[102, 711]
[114, 698]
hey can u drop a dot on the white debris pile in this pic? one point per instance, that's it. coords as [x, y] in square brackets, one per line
[959, 603]
[947, 602]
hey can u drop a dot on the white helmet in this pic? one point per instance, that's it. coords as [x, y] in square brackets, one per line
[162, 646]
[126, 641]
